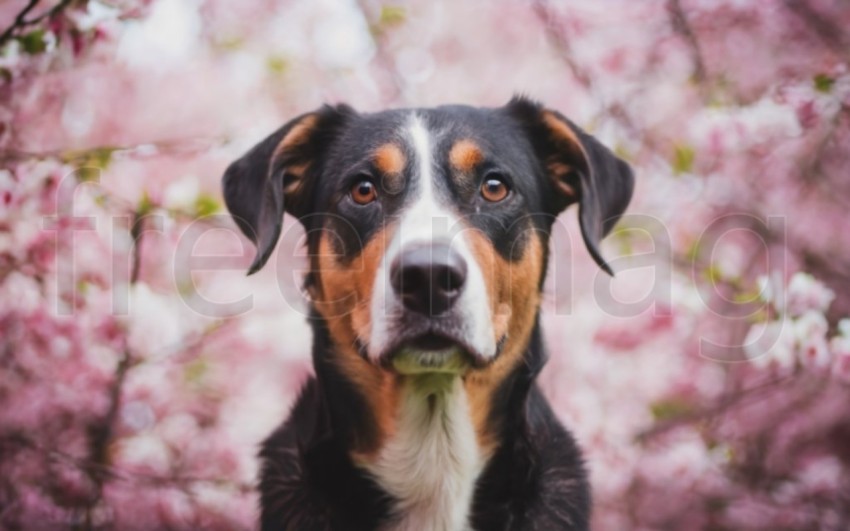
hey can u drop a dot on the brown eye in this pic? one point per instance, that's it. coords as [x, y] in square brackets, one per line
[494, 190]
[364, 192]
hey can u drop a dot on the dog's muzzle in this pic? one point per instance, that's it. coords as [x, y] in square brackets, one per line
[429, 328]
[428, 279]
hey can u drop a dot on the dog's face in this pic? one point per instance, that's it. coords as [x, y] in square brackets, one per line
[427, 229]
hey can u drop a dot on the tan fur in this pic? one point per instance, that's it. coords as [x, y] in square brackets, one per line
[298, 171]
[564, 135]
[343, 298]
[389, 159]
[513, 289]
[562, 131]
[465, 155]
[559, 171]
[298, 135]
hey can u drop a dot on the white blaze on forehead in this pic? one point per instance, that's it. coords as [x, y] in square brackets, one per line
[421, 140]
[425, 220]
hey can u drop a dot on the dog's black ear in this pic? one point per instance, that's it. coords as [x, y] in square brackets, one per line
[277, 174]
[581, 170]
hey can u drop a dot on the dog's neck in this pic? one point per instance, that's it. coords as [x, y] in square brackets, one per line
[430, 457]
[431, 461]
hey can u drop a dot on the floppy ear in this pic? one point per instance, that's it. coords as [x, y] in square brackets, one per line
[277, 174]
[581, 170]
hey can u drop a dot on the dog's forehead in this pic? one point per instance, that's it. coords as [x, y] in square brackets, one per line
[490, 127]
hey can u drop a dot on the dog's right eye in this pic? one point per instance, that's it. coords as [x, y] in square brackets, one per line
[364, 192]
[494, 189]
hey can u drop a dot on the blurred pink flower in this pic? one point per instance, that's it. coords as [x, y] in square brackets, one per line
[771, 344]
[805, 293]
[840, 347]
[810, 330]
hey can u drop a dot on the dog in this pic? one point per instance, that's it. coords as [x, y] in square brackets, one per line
[427, 233]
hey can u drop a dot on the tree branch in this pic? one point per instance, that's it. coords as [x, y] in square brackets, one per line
[722, 406]
[561, 41]
[830, 34]
[100, 434]
[21, 20]
[158, 480]
[680, 24]
[174, 146]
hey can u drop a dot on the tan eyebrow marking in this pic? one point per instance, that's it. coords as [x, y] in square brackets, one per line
[465, 155]
[389, 159]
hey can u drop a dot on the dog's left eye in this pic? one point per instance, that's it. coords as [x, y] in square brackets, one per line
[494, 189]
[364, 192]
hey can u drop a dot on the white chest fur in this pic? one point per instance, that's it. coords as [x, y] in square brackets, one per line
[431, 462]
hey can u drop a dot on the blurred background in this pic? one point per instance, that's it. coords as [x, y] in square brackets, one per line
[709, 382]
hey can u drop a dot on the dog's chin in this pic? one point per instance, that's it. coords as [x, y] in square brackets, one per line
[432, 354]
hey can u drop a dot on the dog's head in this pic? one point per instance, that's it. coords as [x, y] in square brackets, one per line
[427, 229]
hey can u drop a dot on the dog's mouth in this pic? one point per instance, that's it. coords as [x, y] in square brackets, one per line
[432, 352]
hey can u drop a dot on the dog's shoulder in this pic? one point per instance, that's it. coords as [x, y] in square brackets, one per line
[536, 481]
[308, 482]
[289, 496]
[564, 499]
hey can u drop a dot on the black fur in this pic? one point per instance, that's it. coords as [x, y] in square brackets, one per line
[308, 481]
[536, 480]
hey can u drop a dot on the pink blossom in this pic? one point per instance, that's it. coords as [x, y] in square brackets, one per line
[840, 348]
[771, 343]
[823, 474]
[805, 293]
[810, 331]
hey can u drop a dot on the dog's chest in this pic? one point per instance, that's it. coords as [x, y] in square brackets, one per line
[431, 462]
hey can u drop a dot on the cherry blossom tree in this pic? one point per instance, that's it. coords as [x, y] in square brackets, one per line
[708, 382]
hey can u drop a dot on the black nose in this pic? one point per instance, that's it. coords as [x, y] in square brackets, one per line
[428, 279]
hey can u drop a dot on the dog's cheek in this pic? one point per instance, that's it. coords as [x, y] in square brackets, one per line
[344, 301]
[334, 299]
[363, 279]
[344, 297]
[512, 286]
[515, 296]
[519, 282]
[486, 258]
